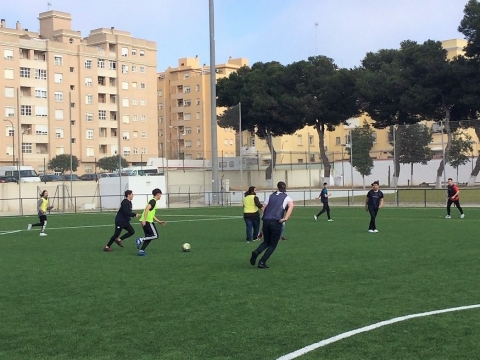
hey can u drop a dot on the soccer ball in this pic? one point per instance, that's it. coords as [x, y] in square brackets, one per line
[186, 247]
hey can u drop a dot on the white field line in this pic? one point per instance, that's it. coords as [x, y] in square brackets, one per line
[9, 232]
[348, 334]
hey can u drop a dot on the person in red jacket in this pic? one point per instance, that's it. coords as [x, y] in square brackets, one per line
[452, 194]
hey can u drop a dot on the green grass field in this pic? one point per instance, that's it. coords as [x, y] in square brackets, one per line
[62, 297]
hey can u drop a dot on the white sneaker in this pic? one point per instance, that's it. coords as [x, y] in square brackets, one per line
[462, 216]
[448, 217]
[315, 217]
[43, 234]
[375, 231]
[330, 220]
[29, 227]
[371, 231]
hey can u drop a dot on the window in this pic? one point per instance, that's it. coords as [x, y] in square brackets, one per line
[142, 52]
[188, 130]
[135, 150]
[135, 118]
[124, 51]
[88, 64]
[60, 150]
[187, 116]
[198, 130]
[160, 119]
[89, 99]
[125, 102]
[27, 148]
[9, 92]
[310, 140]
[126, 135]
[88, 81]
[143, 102]
[134, 85]
[8, 54]
[347, 139]
[144, 134]
[41, 111]
[40, 74]
[231, 142]
[124, 69]
[124, 85]
[126, 119]
[134, 101]
[58, 78]
[134, 68]
[101, 80]
[198, 102]
[374, 137]
[72, 69]
[40, 93]
[142, 69]
[144, 151]
[186, 89]
[89, 134]
[41, 129]
[134, 52]
[8, 74]
[126, 151]
[58, 114]
[197, 115]
[89, 117]
[90, 151]
[113, 65]
[101, 63]
[197, 87]
[24, 72]
[135, 134]
[188, 143]
[102, 114]
[225, 142]
[186, 75]
[59, 133]
[144, 118]
[143, 86]
[57, 60]
[9, 111]
[199, 143]
[26, 110]
[187, 102]
[58, 96]
[338, 141]
[299, 139]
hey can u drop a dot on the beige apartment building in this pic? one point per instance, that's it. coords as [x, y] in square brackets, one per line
[95, 95]
[184, 111]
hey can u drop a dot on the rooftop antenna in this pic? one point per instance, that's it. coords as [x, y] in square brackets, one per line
[48, 5]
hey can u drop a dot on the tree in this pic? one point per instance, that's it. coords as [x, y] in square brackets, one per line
[461, 146]
[413, 145]
[470, 26]
[325, 97]
[268, 106]
[110, 163]
[61, 163]
[361, 144]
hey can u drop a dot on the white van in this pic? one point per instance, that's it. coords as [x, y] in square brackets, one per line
[27, 173]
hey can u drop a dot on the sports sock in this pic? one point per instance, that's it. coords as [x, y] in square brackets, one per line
[145, 244]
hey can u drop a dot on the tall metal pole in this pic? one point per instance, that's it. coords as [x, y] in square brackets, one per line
[13, 139]
[443, 157]
[240, 140]
[119, 141]
[309, 167]
[71, 146]
[20, 146]
[213, 103]
[351, 158]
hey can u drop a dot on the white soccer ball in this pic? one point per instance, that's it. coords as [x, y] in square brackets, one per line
[186, 247]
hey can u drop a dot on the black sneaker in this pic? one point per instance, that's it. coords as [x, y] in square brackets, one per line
[262, 265]
[253, 258]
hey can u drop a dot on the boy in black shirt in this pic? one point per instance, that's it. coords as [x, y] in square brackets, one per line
[372, 204]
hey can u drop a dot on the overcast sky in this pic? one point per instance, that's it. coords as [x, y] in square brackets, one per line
[260, 30]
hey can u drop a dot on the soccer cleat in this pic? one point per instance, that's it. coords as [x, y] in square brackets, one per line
[283, 238]
[253, 258]
[43, 234]
[29, 227]
[371, 231]
[262, 265]
[260, 234]
[462, 216]
[315, 217]
[375, 231]
[330, 220]
[107, 249]
[119, 242]
[448, 217]
[138, 241]
[142, 253]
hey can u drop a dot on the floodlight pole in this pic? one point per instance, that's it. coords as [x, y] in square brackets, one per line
[213, 103]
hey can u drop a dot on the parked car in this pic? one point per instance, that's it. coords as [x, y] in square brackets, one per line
[103, 175]
[50, 177]
[71, 177]
[90, 177]
[7, 179]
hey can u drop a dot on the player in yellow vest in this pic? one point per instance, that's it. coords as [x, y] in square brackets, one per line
[42, 208]
[148, 222]
[251, 205]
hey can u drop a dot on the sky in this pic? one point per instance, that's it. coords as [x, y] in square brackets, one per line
[259, 30]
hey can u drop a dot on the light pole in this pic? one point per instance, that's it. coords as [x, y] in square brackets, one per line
[23, 133]
[13, 140]
[178, 140]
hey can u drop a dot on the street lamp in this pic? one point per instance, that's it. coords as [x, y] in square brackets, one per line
[13, 140]
[23, 133]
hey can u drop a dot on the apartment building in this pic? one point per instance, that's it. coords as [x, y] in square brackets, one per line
[184, 111]
[92, 97]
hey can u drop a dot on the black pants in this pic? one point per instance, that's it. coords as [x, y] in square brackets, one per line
[325, 208]
[150, 231]
[373, 214]
[457, 204]
[271, 235]
[118, 230]
[42, 223]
